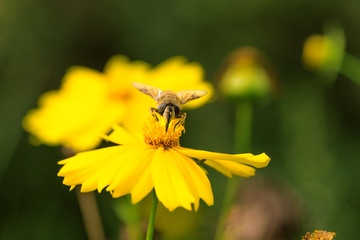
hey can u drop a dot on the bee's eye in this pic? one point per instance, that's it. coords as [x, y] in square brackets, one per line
[161, 108]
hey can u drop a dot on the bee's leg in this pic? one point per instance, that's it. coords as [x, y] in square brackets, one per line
[183, 116]
[152, 112]
[181, 121]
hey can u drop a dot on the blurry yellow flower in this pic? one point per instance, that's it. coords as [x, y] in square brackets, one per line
[77, 114]
[154, 160]
[316, 49]
[89, 102]
[319, 235]
[324, 52]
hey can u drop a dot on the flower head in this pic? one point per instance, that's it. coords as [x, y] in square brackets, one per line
[154, 160]
[245, 74]
[89, 102]
[155, 134]
[75, 115]
[324, 52]
[319, 235]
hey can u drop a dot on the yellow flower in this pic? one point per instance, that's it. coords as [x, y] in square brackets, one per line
[319, 235]
[89, 102]
[77, 114]
[316, 50]
[325, 52]
[154, 160]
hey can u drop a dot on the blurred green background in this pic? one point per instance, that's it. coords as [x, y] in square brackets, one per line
[310, 130]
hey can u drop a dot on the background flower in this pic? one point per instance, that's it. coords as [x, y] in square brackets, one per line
[325, 53]
[77, 114]
[89, 102]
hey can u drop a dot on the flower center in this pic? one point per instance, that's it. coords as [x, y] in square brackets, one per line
[155, 135]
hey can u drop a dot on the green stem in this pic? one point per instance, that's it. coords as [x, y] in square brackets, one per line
[351, 68]
[243, 124]
[150, 230]
[241, 145]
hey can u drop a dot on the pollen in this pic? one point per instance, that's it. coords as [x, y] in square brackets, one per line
[155, 134]
[319, 235]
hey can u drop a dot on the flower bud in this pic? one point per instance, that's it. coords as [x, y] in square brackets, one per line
[325, 52]
[245, 75]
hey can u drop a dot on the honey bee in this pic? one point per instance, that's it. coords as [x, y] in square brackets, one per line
[169, 103]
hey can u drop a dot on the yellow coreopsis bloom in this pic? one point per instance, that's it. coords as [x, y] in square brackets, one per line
[89, 102]
[154, 160]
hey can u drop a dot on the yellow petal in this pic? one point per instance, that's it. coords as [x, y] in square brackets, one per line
[259, 161]
[180, 71]
[77, 114]
[88, 159]
[196, 177]
[121, 72]
[229, 167]
[134, 164]
[87, 168]
[120, 136]
[260, 158]
[143, 186]
[178, 181]
[219, 167]
[106, 174]
[164, 183]
[112, 168]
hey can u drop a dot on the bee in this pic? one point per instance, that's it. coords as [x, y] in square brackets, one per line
[169, 103]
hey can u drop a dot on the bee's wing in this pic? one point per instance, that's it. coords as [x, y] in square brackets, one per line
[147, 89]
[188, 95]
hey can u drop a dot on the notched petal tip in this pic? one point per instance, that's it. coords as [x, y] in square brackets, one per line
[62, 162]
[262, 160]
[258, 161]
[84, 188]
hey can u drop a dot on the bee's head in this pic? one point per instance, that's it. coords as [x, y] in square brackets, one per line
[170, 108]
